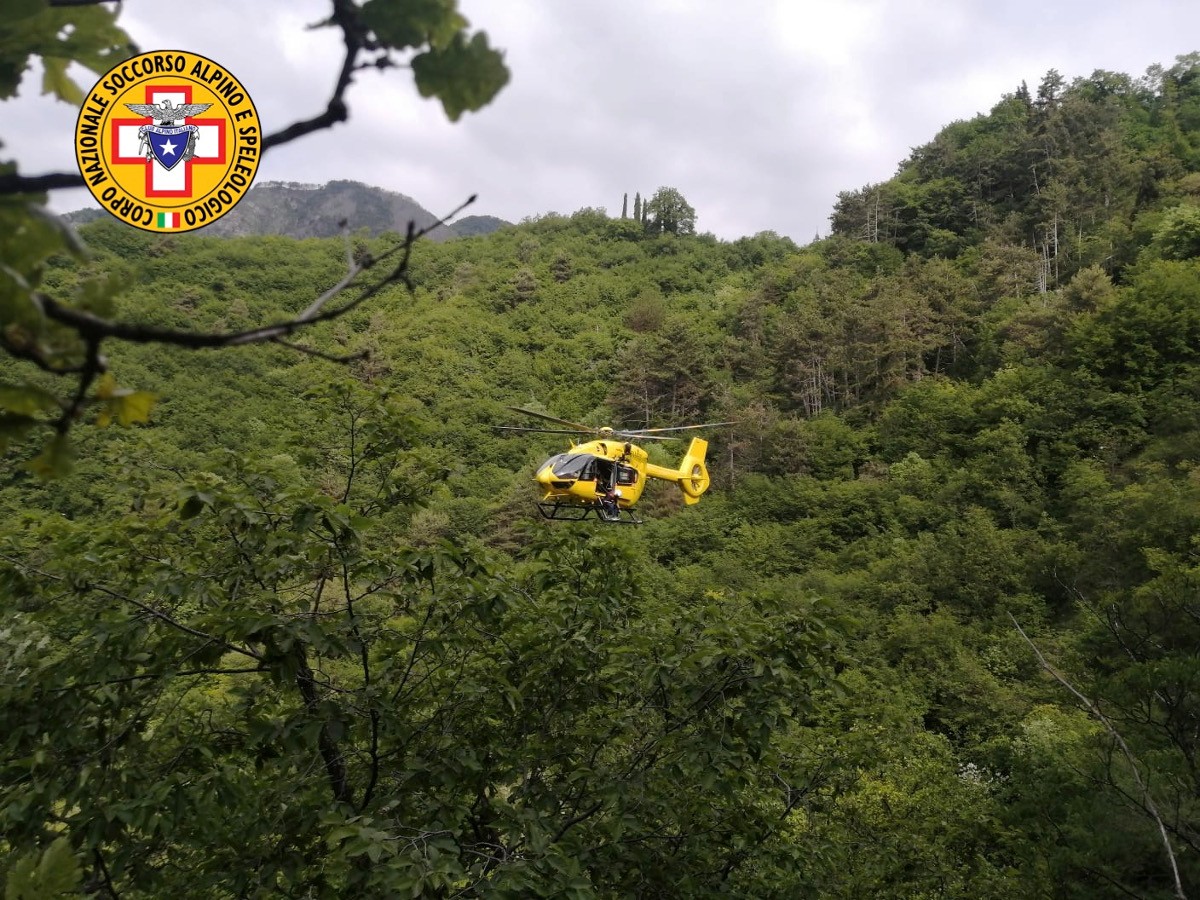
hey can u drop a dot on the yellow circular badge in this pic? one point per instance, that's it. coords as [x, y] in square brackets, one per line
[168, 141]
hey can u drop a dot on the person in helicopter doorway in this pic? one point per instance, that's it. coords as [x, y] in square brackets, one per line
[609, 511]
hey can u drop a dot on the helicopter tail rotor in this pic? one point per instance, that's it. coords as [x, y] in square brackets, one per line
[693, 474]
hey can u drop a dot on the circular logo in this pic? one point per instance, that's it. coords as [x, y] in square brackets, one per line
[168, 141]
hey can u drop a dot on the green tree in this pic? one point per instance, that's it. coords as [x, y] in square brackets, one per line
[662, 379]
[278, 699]
[66, 335]
[1178, 237]
[345, 657]
[1152, 331]
[668, 212]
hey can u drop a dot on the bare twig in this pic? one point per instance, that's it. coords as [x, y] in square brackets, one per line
[174, 623]
[320, 354]
[150, 610]
[12, 183]
[147, 676]
[94, 330]
[92, 366]
[365, 659]
[1146, 800]
[344, 16]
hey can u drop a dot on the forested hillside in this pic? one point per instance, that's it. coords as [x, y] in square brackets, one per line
[933, 632]
[311, 210]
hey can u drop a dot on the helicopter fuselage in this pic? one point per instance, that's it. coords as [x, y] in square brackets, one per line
[583, 474]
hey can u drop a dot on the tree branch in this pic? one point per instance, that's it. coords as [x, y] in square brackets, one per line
[92, 366]
[319, 354]
[575, 820]
[365, 659]
[146, 608]
[344, 16]
[1146, 800]
[163, 617]
[331, 755]
[94, 328]
[105, 874]
[30, 353]
[12, 183]
[148, 675]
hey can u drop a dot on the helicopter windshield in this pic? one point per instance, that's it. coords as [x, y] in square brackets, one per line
[577, 466]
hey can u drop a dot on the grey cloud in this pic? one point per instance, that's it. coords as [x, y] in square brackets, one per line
[760, 113]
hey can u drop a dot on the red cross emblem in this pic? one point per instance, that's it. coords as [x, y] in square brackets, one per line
[162, 182]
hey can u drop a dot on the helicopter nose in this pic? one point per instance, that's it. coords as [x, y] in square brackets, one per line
[548, 480]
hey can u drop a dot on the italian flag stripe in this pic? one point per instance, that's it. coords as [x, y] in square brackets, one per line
[168, 220]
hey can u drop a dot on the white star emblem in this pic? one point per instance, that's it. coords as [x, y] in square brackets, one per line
[168, 147]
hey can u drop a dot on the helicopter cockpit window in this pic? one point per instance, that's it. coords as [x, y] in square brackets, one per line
[576, 466]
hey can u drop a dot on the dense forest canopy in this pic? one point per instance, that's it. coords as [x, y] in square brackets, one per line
[298, 631]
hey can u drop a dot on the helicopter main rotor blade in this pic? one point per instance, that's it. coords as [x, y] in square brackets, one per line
[646, 432]
[587, 429]
[616, 434]
[538, 430]
[634, 438]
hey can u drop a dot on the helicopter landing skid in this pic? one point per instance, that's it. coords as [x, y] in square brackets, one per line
[570, 512]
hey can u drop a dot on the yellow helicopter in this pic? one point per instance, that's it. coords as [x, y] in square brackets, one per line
[607, 475]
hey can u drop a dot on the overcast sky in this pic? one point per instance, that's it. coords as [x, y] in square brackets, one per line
[759, 112]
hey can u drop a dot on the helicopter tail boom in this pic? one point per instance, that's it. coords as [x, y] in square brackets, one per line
[692, 474]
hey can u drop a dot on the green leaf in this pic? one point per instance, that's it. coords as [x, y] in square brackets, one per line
[13, 64]
[125, 405]
[128, 408]
[14, 426]
[26, 399]
[194, 505]
[56, 874]
[106, 387]
[463, 75]
[339, 834]
[87, 35]
[56, 81]
[95, 293]
[55, 459]
[10, 76]
[413, 23]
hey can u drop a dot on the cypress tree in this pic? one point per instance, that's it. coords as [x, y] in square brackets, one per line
[637, 207]
[625, 206]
